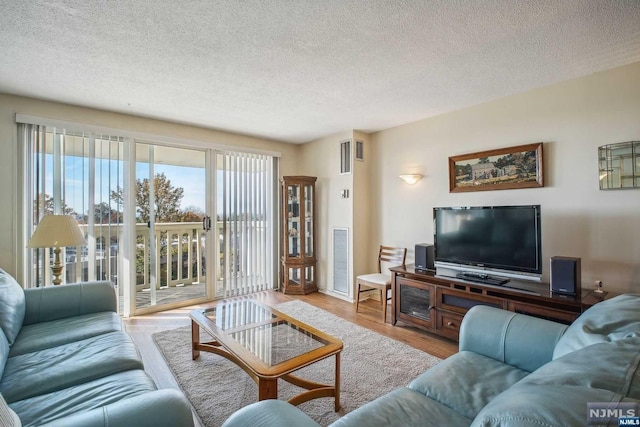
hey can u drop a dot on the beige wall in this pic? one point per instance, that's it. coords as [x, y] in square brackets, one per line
[321, 158]
[364, 256]
[572, 119]
[10, 105]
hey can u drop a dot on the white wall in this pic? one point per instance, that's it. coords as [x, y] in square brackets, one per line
[10, 105]
[572, 118]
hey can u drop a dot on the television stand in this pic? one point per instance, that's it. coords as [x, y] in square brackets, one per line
[438, 304]
[482, 278]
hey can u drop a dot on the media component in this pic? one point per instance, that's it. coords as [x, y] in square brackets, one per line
[565, 275]
[488, 244]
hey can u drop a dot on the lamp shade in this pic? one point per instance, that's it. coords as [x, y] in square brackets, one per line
[57, 231]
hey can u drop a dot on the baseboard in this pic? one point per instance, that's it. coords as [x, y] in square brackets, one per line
[336, 295]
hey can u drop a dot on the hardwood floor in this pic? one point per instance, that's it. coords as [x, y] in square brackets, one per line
[369, 316]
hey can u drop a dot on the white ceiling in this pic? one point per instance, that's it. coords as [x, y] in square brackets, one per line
[299, 70]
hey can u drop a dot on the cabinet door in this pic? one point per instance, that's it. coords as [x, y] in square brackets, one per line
[309, 244]
[415, 302]
[294, 225]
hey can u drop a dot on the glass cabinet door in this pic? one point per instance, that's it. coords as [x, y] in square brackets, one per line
[308, 220]
[293, 221]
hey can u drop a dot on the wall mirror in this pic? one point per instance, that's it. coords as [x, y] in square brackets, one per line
[619, 165]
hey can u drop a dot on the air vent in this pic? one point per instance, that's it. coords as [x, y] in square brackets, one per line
[345, 157]
[341, 260]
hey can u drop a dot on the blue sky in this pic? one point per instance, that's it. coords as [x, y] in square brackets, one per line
[109, 176]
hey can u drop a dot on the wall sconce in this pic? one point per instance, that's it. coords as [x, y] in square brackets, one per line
[411, 178]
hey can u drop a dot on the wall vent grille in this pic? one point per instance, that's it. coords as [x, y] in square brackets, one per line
[341, 260]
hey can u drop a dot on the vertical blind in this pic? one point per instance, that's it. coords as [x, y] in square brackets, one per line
[248, 200]
[68, 171]
[74, 173]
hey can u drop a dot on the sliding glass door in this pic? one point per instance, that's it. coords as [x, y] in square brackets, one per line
[173, 224]
[168, 225]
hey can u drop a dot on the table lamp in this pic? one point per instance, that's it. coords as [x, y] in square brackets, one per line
[57, 231]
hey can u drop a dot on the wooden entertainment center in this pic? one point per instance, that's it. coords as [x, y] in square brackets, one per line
[438, 304]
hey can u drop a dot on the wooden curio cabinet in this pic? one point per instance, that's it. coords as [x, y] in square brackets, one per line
[298, 235]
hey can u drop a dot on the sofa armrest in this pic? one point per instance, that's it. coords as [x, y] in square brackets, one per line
[59, 302]
[519, 340]
[160, 408]
[270, 413]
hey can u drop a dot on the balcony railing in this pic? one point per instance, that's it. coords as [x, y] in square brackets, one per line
[179, 261]
[179, 256]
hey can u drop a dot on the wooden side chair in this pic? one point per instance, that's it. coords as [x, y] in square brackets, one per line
[381, 281]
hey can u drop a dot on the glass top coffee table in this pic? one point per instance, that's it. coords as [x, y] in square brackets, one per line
[268, 345]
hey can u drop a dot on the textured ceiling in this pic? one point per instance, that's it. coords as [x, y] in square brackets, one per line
[298, 70]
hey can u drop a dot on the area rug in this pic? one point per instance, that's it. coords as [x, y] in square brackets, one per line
[371, 365]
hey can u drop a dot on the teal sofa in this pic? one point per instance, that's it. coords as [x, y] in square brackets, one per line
[511, 370]
[65, 360]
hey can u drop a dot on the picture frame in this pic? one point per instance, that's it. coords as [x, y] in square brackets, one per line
[500, 169]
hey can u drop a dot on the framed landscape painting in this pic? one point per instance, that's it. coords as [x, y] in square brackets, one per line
[501, 169]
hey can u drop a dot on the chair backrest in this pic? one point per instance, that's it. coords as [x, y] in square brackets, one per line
[391, 255]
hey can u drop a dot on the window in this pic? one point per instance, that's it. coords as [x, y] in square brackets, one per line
[360, 151]
[345, 157]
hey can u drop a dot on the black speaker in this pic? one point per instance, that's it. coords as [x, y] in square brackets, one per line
[565, 275]
[424, 257]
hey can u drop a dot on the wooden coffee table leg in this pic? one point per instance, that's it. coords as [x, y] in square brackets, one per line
[337, 384]
[267, 388]
[195, 340]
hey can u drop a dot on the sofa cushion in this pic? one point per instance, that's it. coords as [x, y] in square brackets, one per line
[40, 336]
[82, 397]
[558, 392]
[506, 336]
[610, 366]
[402, 407]
[541, 406]
[4, 352]
[56, 368]
[609, 320]
[48, 303]
[12, 306]
[466, 382]
[270, 412]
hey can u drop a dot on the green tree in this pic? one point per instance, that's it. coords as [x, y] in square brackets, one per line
[44, 205]
[525, 164]
[167, 199]
[104, 214]
[191, 214]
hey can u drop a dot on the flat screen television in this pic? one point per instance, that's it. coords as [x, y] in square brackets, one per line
[481, 242]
